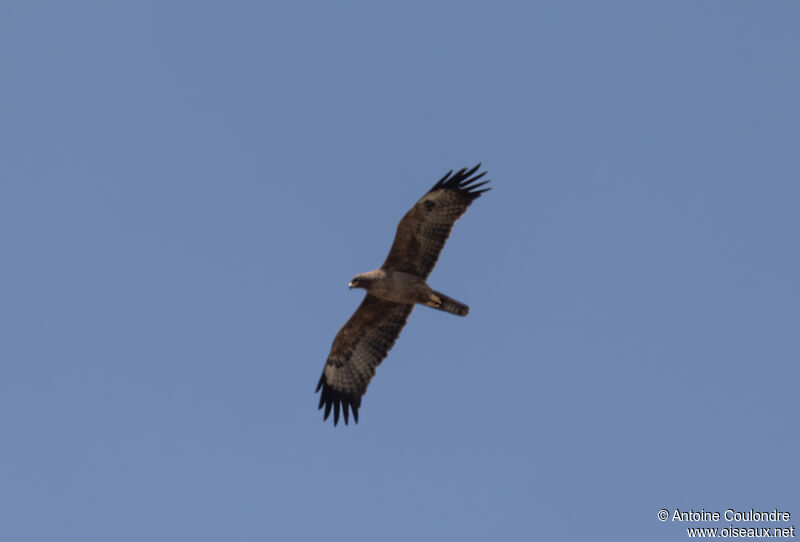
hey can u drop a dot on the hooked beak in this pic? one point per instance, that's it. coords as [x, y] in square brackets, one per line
[351, 285]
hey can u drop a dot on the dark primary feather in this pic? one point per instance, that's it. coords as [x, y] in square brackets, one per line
[462, 181]
[359, 347]
[423, 230]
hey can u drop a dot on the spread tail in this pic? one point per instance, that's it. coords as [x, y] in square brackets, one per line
[448, 304]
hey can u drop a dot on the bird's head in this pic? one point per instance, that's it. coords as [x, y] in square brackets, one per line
[365, 280]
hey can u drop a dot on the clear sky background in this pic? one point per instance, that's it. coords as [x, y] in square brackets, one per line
[187, 187]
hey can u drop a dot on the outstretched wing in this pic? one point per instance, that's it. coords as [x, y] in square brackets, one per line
[359, 347]
[423, 230]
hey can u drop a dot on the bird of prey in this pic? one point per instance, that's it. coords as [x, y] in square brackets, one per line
[392, 290]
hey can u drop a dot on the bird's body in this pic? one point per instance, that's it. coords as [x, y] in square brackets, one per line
[405, 288]
[393, 290]
[393, 285]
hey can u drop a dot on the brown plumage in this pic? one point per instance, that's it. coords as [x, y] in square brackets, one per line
[392, 290]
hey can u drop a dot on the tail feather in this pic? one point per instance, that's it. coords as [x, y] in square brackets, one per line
[447, 304]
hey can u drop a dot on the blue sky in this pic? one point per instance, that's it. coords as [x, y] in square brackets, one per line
[187, 187]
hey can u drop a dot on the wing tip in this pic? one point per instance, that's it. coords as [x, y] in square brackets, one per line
[338, 402]
[463, 181]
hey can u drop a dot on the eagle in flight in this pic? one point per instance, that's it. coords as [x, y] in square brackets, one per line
[392, 290]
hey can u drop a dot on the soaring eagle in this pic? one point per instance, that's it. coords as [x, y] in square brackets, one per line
[392, 290]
